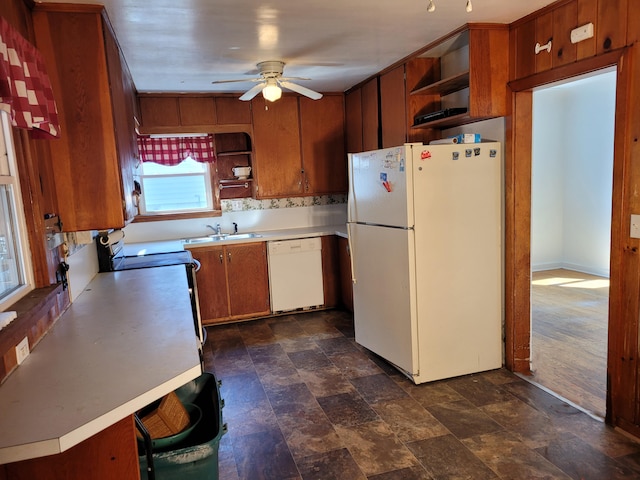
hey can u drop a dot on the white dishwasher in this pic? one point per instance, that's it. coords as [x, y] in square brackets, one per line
[295, 274]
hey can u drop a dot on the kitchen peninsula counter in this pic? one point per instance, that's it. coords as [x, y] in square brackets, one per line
[126, 341]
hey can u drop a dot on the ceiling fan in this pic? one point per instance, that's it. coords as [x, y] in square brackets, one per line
[271, 83]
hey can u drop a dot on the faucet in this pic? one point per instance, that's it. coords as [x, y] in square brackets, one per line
[217, 229]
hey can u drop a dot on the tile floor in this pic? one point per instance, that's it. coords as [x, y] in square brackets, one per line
[303, 401]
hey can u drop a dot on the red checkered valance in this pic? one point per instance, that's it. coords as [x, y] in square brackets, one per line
[173, 150]
[25, 89]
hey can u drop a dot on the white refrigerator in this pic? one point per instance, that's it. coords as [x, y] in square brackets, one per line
[424, 226]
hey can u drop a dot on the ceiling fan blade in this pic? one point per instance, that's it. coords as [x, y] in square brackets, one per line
[301, 90]
[286, 79]
[238, 80]
[255, 90]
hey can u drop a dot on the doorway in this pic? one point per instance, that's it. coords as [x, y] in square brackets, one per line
[571, 195]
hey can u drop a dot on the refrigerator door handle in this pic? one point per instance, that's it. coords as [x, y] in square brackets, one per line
[353, 272]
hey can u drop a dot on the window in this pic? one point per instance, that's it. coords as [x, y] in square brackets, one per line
[176, 174]
[185, 187]
[16, 277]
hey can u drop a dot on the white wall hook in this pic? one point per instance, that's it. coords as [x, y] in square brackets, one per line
[546, 47]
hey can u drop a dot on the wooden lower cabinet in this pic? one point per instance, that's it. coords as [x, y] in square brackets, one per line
[233, 281]
[330, 272]
[344, 260]
[109, 454]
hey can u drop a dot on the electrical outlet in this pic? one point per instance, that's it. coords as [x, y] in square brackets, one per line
[22, 350]
[236, 205]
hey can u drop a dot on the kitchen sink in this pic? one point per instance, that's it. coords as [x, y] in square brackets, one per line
[222, 236]
[241, 236]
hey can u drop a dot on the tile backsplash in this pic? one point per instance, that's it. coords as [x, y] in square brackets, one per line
[242, 204]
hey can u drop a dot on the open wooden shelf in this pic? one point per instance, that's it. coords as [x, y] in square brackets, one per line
[229, 154]
[445, 86]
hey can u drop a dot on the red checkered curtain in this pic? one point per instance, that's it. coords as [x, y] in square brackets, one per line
[25, 89]
[173, 150]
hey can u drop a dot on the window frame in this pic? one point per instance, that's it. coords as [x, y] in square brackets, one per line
[215, 194]
[208, 185]
[20, 229]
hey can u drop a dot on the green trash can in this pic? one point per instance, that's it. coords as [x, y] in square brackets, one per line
[196, 456]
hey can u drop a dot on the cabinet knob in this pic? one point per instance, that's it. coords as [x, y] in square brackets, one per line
[229, 256]
[221, 258]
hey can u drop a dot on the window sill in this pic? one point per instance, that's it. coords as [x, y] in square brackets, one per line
[176, 216]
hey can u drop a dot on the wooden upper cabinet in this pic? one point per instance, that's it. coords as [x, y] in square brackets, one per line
[324, 159]
[276, 136]
[159, 111]
[123, 95]
[370, 115]
[208, 113]
[197, 110]
[91, 159]
[299, 146]
[393, 111]
[231, 110]
[353, 119]
[419, 70]
[474, 69]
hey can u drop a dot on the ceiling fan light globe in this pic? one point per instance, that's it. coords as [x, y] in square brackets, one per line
[272, 92]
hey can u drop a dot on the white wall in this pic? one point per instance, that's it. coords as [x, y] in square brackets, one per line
[572, 175]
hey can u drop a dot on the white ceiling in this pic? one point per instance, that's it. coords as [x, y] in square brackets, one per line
[184, 45]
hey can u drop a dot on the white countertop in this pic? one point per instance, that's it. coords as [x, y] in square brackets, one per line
[126, 341]
[282, 234]
[265, 236]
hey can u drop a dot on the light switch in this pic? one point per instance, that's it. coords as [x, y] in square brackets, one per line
[635, 226]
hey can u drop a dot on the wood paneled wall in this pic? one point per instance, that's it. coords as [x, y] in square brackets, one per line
[615, 43]
[39, 310]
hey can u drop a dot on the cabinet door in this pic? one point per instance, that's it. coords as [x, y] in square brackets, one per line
[248, 279]
[353, 119]
[346, 286]
[370, 124]
[230, 110]
[212, 283]
[85, 158]
[278, 162]
[393, 111]
[323, 151]
[197, 111]
[159, 111]
[122, 100]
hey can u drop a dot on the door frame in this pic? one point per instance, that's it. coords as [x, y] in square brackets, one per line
[518, 221]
